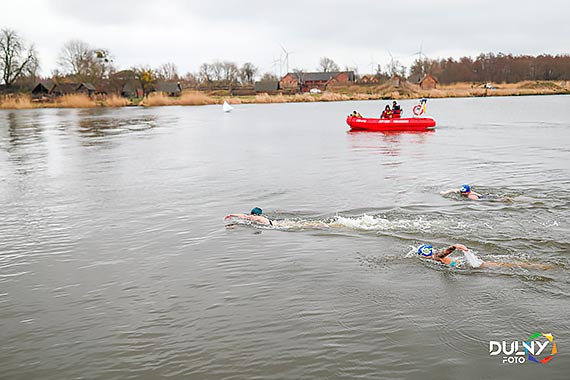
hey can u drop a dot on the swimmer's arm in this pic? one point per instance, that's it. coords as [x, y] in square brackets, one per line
[449, 250]
[446, 252]
[449, 191]
[254, 218]
[244, 216]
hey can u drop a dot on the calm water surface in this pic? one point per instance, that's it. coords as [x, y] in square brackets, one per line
[115, 260]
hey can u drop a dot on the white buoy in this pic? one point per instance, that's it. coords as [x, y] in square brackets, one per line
[226, 107]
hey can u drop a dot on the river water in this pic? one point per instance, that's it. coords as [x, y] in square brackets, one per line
[116, 261]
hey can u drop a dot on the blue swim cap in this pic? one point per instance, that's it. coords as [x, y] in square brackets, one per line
[465, 189]
[425, 250]
[256, 211]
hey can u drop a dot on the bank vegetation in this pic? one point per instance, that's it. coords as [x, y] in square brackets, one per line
[86, 77]
[334, 93]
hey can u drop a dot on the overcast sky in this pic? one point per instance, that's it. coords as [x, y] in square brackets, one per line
[356, 33]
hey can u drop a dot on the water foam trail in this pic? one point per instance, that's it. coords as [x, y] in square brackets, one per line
[508, 247]
[420, 223]
[364, 223]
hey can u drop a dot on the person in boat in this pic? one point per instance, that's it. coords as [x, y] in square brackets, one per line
[396, 110]
[387, 113]
[465, 191]
[355, 114]
[426, 251]
[254, 216]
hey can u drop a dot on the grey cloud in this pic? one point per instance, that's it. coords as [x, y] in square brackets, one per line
[189, 32]
[104, 12]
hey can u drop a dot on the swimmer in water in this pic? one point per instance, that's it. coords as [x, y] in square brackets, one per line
[465, 191]
[426, 251]
[254, 216]
[257, 218]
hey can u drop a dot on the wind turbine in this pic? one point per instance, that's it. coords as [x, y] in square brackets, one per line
[286, 60]
[274, 64]
[372, 64]
[420, 53]
[422, 59]
[392, 68]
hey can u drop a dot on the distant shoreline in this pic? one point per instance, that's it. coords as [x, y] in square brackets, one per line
[336, 93]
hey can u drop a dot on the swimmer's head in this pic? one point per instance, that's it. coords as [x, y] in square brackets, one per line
[465, 189]
[425, 250]
[256, 211]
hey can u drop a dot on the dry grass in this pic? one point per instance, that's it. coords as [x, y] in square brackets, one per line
[155, 100]
[336, 93]
[74, 101]
[334, 97]
[114, 101]
[195, 98]
[501, 89]
[539, 85]
[265, 98]
[16, 102]
[303, 98]
[188, 98]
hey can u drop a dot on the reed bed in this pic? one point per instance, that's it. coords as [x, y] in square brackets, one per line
[334, 97]
[336, 93]
[74, 101]
[266, 98]
[195, 98]
[189, 98]
[114, 101]
[16, 102]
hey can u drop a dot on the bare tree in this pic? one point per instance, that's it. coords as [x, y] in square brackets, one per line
[396, 68]
[247, 72]
[15, 59]
[217, 71]
[74, 57]
[328, 65]
[206, 73]
[79, 59]
[190, 80]
[269, 77]
[230, 72]
[224, 73]
[167, 72]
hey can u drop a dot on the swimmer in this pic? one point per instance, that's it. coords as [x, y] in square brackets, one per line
[254, 216]
[257, 218]
[465, 191]
[426, 251]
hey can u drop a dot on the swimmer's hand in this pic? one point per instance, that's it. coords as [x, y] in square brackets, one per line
[461, 247]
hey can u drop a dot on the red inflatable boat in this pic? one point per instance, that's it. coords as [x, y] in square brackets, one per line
[397, 124]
